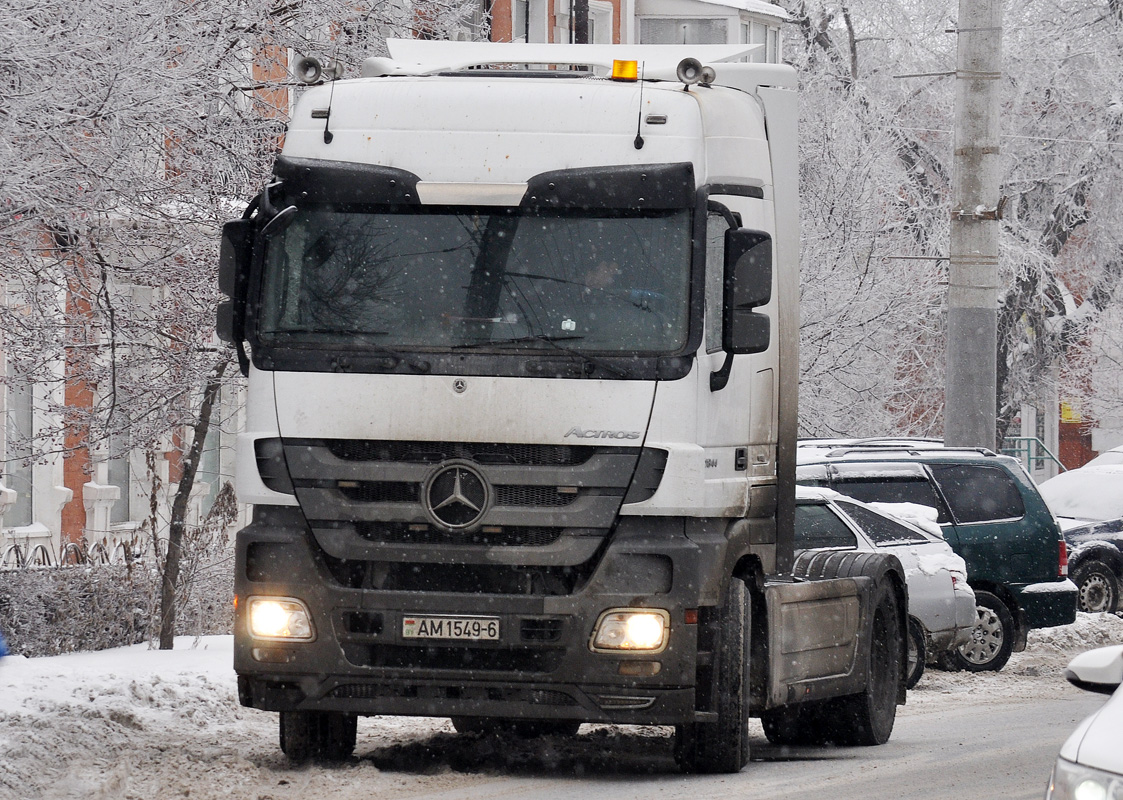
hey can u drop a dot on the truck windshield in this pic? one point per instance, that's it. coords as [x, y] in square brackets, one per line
[443, 278]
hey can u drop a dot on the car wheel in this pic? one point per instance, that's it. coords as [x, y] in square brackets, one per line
[917, 653]
[992, 639]
[318, 735]
[1099, 588]
[722, 745]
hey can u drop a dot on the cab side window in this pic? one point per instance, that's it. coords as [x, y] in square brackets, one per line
[979, 494]
[716, 226]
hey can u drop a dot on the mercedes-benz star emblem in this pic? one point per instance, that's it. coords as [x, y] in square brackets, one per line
[459, 385]
[456, 496]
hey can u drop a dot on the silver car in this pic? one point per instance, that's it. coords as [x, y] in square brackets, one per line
[942, 611]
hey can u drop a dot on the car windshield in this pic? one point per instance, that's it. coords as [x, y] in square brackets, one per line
[441, 278]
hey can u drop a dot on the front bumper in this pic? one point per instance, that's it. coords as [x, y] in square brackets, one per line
[1045, 605]
[542, 667]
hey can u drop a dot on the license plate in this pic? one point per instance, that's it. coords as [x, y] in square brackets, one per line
[463, 628]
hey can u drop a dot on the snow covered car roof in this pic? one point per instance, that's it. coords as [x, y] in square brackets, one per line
[1092, 493]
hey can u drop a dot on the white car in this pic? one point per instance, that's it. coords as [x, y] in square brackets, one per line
[1090, 764]
[1107, 457]
[942, 611]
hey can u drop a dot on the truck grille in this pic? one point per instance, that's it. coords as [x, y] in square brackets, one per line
[366, 504]
[389, 492]
[526, 455]
[426, 534]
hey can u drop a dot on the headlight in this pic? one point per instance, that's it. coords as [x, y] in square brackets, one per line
[283, 618]
[634, 629]
[1074, 782]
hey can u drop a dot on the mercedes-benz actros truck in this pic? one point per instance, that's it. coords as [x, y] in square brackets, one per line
[520, 326]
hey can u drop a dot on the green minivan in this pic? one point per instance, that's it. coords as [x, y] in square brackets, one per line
[991, 514]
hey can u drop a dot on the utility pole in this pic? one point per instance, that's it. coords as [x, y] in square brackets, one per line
[969, 402]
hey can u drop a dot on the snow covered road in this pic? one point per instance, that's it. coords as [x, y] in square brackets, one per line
[138, 723]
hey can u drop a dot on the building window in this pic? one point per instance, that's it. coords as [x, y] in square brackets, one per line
[119, 475]
[520, 9]
[600, 22]
[665, 30]
[18, 472]
[759, 36]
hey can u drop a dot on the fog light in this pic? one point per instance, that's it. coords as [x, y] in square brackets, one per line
[283, 618]
[643, 629]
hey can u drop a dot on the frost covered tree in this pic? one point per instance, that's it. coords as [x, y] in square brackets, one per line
[877, 122]
[129, 132]
[874, 187]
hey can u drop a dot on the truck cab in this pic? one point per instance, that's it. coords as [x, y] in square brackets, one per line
[521, 349]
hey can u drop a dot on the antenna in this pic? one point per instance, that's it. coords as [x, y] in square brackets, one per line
[639, 116]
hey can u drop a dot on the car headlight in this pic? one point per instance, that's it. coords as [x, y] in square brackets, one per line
[632, 629]
[1075, 782]
[281, 618]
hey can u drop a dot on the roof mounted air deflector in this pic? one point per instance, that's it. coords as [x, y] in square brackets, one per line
[426, 57]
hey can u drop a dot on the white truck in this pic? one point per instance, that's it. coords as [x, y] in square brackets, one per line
[521, 340]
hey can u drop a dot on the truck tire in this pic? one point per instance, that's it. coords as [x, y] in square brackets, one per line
[523, 728]
[1099, 588]
[992, 640]
[318, 735]
[722, 746]
[917, 653]
[867, 718]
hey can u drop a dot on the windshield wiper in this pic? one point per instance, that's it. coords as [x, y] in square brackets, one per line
[537, 337]
[552, 340]
[344, 364]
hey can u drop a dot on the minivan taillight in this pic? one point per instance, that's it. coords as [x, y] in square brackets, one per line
[1062, 562]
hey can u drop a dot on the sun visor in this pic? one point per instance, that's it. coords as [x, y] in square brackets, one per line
[629, 186]
[319, 181]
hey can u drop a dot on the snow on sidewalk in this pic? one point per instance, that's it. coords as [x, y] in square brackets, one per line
[141, 723]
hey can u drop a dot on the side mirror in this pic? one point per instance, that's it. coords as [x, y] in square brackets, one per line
[748, 284]
[1099, 670]
[234, 258]
[224, 321]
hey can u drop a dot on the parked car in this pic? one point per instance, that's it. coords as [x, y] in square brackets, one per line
[1090, 764]
[1088, 503]
[1112, 456]
[941, 603]
[991, 514]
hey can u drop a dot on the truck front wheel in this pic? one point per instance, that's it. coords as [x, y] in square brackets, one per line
[318, 735]
[721, 746]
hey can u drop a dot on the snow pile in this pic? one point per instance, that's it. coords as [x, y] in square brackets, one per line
[1088, 632]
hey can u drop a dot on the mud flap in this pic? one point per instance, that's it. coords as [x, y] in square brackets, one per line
[817, 638]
